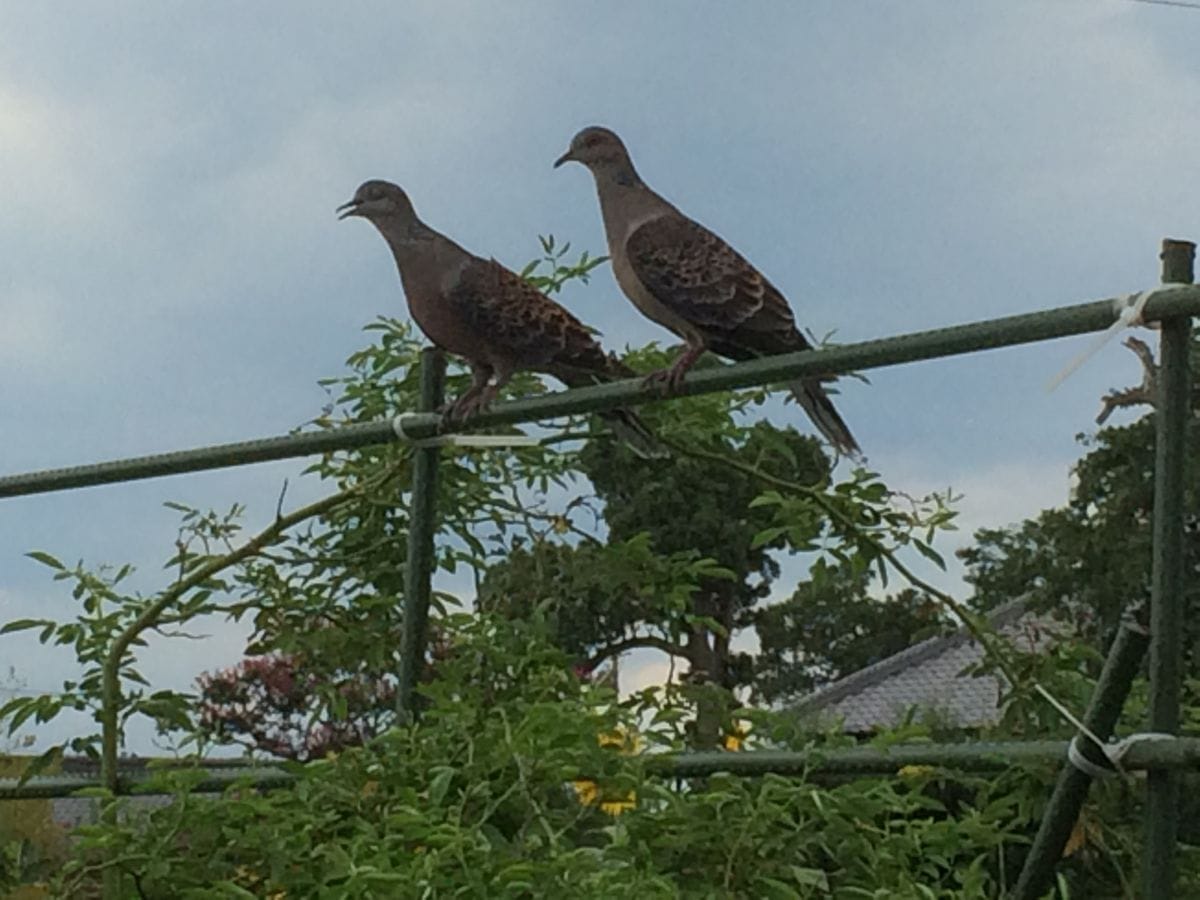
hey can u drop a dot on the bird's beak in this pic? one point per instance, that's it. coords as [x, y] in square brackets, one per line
[565, 158]
[351, 209]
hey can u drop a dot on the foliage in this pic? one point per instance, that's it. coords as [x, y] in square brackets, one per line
[265, 703]
[709, 501]
[1089, 560]
[1087, 563]
[32, 845]
[476, 801]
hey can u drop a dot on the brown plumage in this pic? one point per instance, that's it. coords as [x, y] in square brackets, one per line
[497, 321]
[689, 280]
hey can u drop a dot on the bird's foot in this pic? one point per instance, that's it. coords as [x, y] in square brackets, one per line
[459, 411]
[658, 381]
[468, 406]
[667, 382]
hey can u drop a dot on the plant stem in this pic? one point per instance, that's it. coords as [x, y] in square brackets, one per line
[110, 702]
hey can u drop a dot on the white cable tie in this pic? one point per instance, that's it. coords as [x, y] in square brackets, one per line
[1116, 752]
[1076, 758]
[398, 428]
[491, 440]
[1067, 714]
[1074, 755]
[1129, 311]
[461, 440]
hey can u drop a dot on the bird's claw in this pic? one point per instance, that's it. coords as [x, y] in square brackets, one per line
[667, 382]
[658, 381]
[467, 407]
[459, 411]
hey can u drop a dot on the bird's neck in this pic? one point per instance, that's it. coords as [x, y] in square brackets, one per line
[423, 256]
[411, 241]
[625, 200]
[619, 174]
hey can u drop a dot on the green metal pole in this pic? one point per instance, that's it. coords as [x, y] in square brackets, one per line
[980, 756]
[418, 566]
[975, 756]
[905, 348]
[1166, 597]
[1121, 666]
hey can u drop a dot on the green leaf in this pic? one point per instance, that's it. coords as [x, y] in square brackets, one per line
[439, 784]
[929, 553]
[23, 624]
[775, 889]
[41, 763]
[45, 559]
[99, 793]
[768, 536]
[814, 878]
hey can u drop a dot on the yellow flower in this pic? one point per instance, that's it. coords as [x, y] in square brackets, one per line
[736, 739]
[588, 793]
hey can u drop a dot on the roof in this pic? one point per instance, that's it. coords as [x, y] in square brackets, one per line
[930, 676]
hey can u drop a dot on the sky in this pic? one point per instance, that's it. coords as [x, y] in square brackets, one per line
[172, 274]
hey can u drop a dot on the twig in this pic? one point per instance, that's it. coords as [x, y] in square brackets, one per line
[633, 643]
[149, 617]
[279, 502]
[523, 780]
[1142, 395]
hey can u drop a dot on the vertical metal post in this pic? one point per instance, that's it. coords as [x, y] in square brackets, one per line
[1120, 668]
[1166, 597]
[418, 566]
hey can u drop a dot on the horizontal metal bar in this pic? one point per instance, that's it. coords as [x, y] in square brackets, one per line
[977, 756]
[43, 787]
[959, 339]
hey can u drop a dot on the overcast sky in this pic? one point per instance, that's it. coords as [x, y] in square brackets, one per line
[172, 274]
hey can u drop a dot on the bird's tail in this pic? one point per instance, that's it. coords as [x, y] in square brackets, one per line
[812, 397]
[633, 433]
[625, 423]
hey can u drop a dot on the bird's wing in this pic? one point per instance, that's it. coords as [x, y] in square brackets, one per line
[700, 278]
[520, 322]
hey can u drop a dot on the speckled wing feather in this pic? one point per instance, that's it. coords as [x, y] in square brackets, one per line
[527, 327]
[740, 314]
[521, 322]
[700, 278]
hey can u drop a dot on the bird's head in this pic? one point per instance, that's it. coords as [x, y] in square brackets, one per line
[378, 201]
[597, 148]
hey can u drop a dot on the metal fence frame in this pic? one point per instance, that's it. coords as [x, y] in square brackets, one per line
[1172, 307]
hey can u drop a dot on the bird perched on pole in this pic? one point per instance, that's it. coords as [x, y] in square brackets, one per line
[687, 279]
[490, 316]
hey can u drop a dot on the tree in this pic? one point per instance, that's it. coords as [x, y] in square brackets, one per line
[609, 595]
[1089, 561]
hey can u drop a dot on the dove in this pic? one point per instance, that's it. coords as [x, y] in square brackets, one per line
[689, 280]
[493, 318]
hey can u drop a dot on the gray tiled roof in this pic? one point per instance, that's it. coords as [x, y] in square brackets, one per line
[71, 812]
[928, 676]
